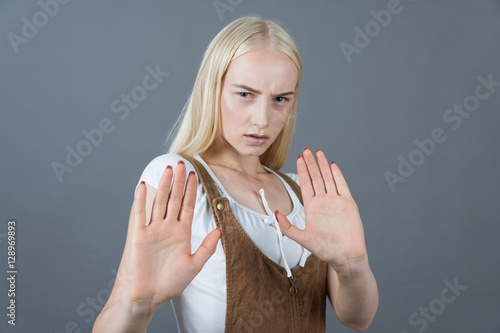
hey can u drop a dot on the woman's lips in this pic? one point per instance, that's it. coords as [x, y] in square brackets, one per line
[256, 140]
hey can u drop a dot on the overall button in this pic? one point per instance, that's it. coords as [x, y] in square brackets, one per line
[220, 206]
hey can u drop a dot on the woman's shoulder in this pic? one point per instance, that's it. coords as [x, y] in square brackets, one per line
[294, 176]
[154, 169]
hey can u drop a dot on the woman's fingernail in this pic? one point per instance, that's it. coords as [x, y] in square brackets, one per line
[307, 148]
[180, 162]
[318, 150]
[169, 167]
[276, 215]
[332, 163]
[143, 182]
[191, 173]
[220, 230]
[300, 156]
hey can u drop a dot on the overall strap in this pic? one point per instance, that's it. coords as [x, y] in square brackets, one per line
[295, 187]
[258, 296]
[206, 180]
[211, 188]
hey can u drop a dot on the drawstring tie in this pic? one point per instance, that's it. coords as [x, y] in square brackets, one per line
[280, 234]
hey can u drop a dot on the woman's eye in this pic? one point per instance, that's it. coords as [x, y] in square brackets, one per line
[244, 94]
[281, 99]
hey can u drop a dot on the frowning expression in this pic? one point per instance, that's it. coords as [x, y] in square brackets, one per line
[257, 96]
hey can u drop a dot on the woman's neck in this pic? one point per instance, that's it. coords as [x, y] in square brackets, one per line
[233, 160]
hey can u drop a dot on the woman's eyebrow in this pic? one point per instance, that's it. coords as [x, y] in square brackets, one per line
[255, 91]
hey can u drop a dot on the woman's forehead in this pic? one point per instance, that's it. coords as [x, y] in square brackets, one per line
[263, 67]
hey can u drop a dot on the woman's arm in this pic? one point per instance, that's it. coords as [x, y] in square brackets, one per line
[334, 233]
[353, 294]
[124, 316]
[157, 264]
[119, 313]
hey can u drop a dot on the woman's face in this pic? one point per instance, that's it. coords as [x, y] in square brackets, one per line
[258, 92]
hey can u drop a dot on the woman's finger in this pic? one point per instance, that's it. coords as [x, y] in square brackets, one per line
[160, 203]
[175, 199]
[187, 209]
[306, 186]
[206, 249]
[342, 187]
[150, 199]
[289, 230]
[315, 174]
[138, 206]
[326, 172]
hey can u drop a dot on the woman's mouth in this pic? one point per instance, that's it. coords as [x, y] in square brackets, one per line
[256, 140]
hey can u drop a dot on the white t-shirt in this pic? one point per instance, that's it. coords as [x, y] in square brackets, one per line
[202, 305]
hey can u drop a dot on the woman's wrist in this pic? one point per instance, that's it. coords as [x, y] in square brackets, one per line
[353, 269]
[136, 309]
[124, 316]
[134, 316]
[139, 308]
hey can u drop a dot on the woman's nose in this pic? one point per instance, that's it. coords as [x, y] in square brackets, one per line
[261, 114]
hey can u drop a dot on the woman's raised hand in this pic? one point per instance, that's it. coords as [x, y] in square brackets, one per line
[160, 265]
[333, 231]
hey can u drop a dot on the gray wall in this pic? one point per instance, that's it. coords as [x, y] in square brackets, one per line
[436, 225]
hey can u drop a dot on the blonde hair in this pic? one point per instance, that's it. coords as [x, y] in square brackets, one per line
[198, 127]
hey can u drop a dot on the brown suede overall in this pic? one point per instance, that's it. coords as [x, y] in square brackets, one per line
[260, 297]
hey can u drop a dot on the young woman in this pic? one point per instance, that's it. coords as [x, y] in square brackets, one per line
[282, 248]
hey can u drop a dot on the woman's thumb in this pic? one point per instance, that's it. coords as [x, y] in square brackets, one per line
[207, 248]
[288, 229]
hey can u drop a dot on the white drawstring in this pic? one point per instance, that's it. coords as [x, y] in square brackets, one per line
[278, 231]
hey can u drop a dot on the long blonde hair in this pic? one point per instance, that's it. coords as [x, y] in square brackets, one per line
[198, 126]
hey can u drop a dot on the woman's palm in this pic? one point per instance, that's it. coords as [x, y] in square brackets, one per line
[160, 263]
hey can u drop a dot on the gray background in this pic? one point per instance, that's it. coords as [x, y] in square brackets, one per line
[440, 223]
